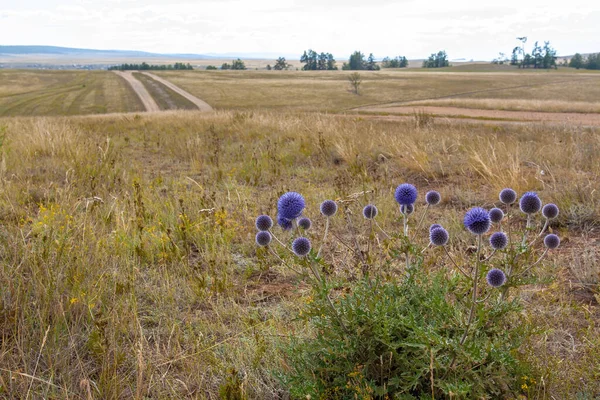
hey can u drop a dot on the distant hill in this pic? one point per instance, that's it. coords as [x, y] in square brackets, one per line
[73, 52]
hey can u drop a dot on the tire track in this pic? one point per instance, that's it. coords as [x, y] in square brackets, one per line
[137, 86]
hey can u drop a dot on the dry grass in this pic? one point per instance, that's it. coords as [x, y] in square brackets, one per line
[128, 262]
[515, 105]
[166, 98]
[34, 92]
[331, 92]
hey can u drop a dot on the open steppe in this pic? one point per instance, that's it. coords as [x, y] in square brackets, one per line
[128, 263]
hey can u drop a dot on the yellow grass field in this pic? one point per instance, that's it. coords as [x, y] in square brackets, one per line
[129, 267]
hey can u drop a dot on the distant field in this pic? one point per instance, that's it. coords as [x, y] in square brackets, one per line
[330, 91]
[35, 92]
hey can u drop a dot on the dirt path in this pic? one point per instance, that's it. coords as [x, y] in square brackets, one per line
[491, 115]
[140, 90]
[202, 105]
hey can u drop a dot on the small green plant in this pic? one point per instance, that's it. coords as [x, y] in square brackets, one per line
[418, 322]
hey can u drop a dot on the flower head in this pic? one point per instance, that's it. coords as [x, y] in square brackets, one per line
[304, 223]
[550, 211]
[433, 198]
[284, 223]
[530, 203]
[433, 226]
[477, 220]
[438, 236]
[495, 277]
[264, 223]
[290, 205]
[263, 238]
[301, 246]
[498, 240]
[406, 194]
[329, 208]
[508, 196]
[496, 215]
[551, 241]
[407, 209]
[370, 211]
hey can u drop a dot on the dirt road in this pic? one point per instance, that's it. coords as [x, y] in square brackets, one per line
[202, 105]
[491, 115]
[140, 90]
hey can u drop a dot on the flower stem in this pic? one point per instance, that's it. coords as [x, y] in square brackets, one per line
[474, 299]
[324, 237]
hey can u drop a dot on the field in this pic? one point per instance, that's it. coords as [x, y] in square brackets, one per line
[129, 267]
[33, 92]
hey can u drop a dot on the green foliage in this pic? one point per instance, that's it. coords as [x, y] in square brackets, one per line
[211, 67]
[438, 60]
[357, 62]
[540, 57]
[398, 62]
[280, 64]
[592, 61]
[147, 67]
[313, 61]
[402, 340]
[235, 64]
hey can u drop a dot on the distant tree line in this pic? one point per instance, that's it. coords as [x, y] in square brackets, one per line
[592, 61]
[438, 60]
[357, 62]
[398, 62]
[147, 67]
[314, 61]
[540, 57]
[235, 64]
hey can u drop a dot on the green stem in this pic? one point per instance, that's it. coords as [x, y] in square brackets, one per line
[324, 237]
[474, 299]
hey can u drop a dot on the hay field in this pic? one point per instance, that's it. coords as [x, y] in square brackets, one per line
[129, 268]
[35, 92]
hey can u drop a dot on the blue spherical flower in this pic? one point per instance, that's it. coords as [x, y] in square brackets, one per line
[477, 220]
[301, 246]
[290, 205]
[530, 203]
[263, 238]
[407, 209]
[496, 215]
[264, 223]
[284, 223]
[551, 241]
[406, 194]
[495, 277]
[329, 208]
[433, 226]
[550, 211]
[508, 196]
[370, 211]
[438, 236]
[304, 223]
[433, 198]
[498, 240]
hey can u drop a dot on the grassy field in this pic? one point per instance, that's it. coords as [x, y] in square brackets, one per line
[331, 92]
[129, 268]
[34, 92]
[166, 98]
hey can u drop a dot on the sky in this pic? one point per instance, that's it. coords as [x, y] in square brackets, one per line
[465, 29]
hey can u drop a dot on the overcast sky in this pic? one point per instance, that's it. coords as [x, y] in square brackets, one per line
[414, 28]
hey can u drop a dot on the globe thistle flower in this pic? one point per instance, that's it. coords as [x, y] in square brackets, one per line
[498, 240]
[407, 209]
[284, 223]
[433, 198]
[551, 241]
[496, 215]
[301, 246]
[290, 205]
[370, 211]
[530, 203]
[406, 194]
[264, 223]
[438, 236]
[263, 238]
[304, 223]
[508, 196]
[495, 277]
[433, 226]
[328, 208]
[550, 211]
[477, 221]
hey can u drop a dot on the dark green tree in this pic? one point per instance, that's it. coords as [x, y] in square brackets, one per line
[238, 64]
[281, 64]
[371, 64]
[438, 60]
[577, 61]
[356, 62]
